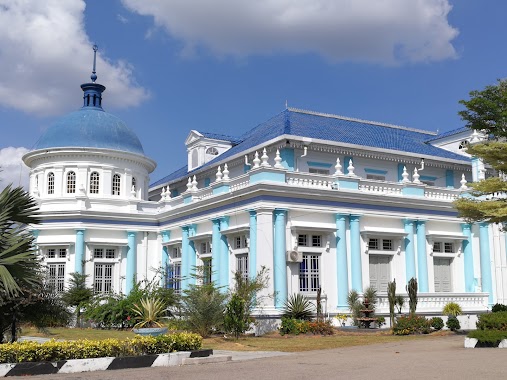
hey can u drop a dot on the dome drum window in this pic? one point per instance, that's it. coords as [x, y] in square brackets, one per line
[94, 183]
[115, 190]
[71, 183]
[51, 183]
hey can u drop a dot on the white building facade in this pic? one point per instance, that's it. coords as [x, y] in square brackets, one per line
[322, 201]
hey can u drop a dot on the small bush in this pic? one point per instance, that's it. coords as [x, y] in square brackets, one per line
[488, 337]
[294, 326]
[452, 308]
[498, 307]
[411, 324]
[493, 321]
[83, 349]
[437, 323]
[298, 306]
[453, 323]
[321, 327]
[381, 321]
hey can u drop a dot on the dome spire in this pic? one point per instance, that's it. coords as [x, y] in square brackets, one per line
[92, 96]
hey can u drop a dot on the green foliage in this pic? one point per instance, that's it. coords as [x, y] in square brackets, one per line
[298, 306]
[493, 321]
[437, 323]
[400, 302]
[203, 307]
[486, 111]
[19, 267]
[452, 308]
[237, 319]
[149, 312]
[78, 294]
[412, 295]
[391, 297]
[453, 323]
[411, 324]
[381, 321]
[321, 327]
[83, 349]
[294, 326]
[354, 305]
[488, 337]
[249, 288]
[498, 307]
[370, 293]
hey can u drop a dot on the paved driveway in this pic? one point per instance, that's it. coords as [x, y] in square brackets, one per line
[430, 358]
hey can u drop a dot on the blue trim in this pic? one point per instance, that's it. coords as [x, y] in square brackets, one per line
[215, 251]
[427, 178]
[409, 250]
[349, 184]
[413, 191]
[174, 193]
[191, 255]
[220, 189]
[401, 165]
[252, 253]
[79, 251]
[207, 182]
[224, 253]
[468, 258]
[279, 261]
[422, 262]
[375, 171]
[287, 156]
[166, 236]
[342, 280]
[355, 254]
[346, 162]
[319, 164]
[184, 258]
[260, 175]
[487, 284]
[187, 199]
[449, 178]
[130, 274]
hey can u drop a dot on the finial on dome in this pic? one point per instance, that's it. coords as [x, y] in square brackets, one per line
[93, 77]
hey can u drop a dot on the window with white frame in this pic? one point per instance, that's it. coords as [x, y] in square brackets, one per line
[205, 248]
[443, 247]
[94, 183]
[378, 244]
[56, 253]
[104, 253]
[212, 151]
[176, 252]
[56, 277]
[309, 240]
[173, 270]
[71, 182]
[51, 183]
[309, 273]
[242, 265]
[103, 278]
[240, 242]
[115, 190]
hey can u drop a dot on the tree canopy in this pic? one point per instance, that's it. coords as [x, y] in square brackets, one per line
[486, 112]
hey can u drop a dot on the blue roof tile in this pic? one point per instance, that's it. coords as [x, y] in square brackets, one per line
[333, 128]
[218, 136]
[449, 133]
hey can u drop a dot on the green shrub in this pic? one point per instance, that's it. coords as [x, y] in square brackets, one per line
[298, 306]
[493, 321]
[453, 323]
[237, 318]
[491, 337]
[452, 308]
[411, 324]
[294, 326]
[437, 323]
[82, 349]
[321, 327]
[498, 307]
[381, 321]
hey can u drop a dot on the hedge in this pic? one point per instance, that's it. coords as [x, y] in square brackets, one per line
[493, 321]
[493, 337]
[83, 349]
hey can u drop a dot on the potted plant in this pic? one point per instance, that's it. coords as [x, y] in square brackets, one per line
[149, 315]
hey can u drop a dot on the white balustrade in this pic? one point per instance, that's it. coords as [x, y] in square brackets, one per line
[441, 194]
[310, 180]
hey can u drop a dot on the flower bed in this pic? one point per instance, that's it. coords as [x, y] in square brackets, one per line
[83, 349]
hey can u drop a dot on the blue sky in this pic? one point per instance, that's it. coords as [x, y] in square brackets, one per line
[225, 66]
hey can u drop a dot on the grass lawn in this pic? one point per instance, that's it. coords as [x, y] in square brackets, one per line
[269, 342]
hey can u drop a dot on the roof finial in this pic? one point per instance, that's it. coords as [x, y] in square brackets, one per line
[94, 73]
[286, 104]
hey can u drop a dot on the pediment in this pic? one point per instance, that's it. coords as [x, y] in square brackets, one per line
[192, 137]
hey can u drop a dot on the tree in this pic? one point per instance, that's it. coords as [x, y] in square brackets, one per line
[78, 294]
[19, 266]
[486, 112]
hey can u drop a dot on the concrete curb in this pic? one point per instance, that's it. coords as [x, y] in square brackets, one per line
[206, 360]
[472, 343]
[102, 364]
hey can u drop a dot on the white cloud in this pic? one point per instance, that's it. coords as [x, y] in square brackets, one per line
[44, 50]
[12, 168]
[387, 31]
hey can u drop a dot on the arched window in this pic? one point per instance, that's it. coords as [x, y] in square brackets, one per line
[195, 158]
[116, 184]
[71, 183]
[212, 151]
[463, 144]
[134, 184]
[51, 183]
[94, 183]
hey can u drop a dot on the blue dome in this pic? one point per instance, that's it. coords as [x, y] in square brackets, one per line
[90, 127]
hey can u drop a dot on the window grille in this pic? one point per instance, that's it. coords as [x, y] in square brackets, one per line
[51, 183]
[242, 265]
[116, 184]
[309, 273]
[71, 183]
[94, 183]
[103, 279]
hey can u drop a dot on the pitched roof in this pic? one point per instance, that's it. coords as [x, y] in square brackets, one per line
[219, 136]
[335, 128]
[449, 133]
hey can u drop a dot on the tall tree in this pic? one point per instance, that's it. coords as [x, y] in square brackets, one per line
[78, 294]
[486, 112]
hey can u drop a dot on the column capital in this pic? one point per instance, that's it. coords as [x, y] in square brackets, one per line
[484, 225]
[354, 218]
[341, 216]
[165, 234]
[279, 211]
[132, 233]
[408, 222]
[80, 229]
[421, 222]
[252, 212]
[466, 226]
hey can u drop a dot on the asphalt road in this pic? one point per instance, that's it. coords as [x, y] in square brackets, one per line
[430, 358]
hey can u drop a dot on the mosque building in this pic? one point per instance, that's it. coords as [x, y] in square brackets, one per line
[322, 201]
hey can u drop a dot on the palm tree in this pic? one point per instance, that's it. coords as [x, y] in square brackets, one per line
[19, 266]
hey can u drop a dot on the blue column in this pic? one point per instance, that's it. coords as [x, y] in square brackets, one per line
[215, 251]
[224, 253]
[342, 269]
[468, 257]
[409, 249]
[487, 286]
[355, 254]
[79, 249]
[279, 260]
[131, 261]
[166, 235]
[252, 253]
[422, 259]
[191, 255]
[185, 269]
